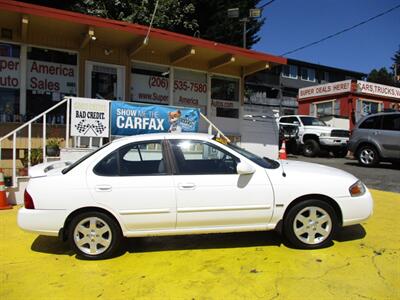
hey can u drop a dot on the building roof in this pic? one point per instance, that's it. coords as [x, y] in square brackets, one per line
[324, 67]
[163, 47]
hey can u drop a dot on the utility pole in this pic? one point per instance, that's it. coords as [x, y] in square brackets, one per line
[253, 13]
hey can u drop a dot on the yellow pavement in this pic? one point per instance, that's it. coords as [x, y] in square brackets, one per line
[364, 263]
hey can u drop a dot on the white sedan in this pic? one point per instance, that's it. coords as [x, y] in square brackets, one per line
[170, 184]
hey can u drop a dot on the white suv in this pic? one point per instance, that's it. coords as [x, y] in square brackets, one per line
[314, 135]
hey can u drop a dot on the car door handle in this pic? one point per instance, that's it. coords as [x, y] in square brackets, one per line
[103, 188]
[186, 186]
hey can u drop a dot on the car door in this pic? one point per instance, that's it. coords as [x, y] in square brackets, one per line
[390, 135]
[135, 181]
[209, 192]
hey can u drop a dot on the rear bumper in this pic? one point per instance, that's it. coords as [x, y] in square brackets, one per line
[356, 209]
[42, 221]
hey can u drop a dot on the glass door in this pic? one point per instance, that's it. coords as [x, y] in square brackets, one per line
[104, 81]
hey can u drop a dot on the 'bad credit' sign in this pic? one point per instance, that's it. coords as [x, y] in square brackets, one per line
[90, 117]
[131, 119]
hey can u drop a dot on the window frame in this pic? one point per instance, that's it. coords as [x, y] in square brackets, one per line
[165, 156]
[307, 79]
[290, 76]
[175, 163]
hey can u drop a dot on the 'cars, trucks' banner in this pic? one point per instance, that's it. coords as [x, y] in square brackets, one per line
[131, 119]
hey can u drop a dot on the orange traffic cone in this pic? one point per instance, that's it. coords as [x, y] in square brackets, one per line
[282, 151]
[3, 196]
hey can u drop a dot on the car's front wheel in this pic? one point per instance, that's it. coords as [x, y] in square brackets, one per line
[311, 148]
[310, 224]
[94, 235]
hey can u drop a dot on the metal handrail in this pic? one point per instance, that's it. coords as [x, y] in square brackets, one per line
[44, 133]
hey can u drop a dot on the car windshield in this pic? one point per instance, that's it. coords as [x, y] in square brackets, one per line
[262, 162]
[73, 165]
[312, 121]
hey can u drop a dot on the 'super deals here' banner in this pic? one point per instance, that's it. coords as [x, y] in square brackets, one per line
[131, 119]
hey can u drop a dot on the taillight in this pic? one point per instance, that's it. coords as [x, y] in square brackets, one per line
[28, 201]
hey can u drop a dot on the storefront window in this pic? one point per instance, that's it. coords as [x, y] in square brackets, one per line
[9, 82]
[190, 89]
[51, 75]
[150, 84]
[328, 108]
[225, 96]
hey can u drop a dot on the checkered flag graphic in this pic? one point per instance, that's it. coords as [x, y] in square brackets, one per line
[98, 127]
[81, 127]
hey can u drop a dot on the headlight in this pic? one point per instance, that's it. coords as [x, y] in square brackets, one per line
[357, 189]
[325, 134]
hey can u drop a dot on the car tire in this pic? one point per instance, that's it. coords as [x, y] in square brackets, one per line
[341, 153]
[310, 224]
[368, 156]
[311, 148]
[94, 235]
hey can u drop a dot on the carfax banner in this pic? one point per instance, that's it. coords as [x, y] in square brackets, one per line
[131, 119]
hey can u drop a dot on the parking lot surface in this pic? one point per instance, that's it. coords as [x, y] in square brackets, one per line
[385, 177]
[363, 263]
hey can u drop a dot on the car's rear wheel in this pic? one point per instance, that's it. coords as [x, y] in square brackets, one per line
[310, 224]
[94, 235]
[311, 148]
[368, 156]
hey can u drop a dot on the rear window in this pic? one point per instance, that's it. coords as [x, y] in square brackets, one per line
[391, 122]
[371, 123]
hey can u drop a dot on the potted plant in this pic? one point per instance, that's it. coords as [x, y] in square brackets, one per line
[53, 147]
[36, 158]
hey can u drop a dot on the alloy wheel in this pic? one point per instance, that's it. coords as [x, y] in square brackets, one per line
[312, 225]
[367, 156]
[92, 236]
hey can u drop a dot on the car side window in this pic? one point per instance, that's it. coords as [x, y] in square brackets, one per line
[200, 158]
[391, 122]
[371, 123]
[108, 166]
[142, 159]
[134, 159]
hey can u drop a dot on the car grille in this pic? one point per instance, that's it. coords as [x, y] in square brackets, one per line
[340, 133]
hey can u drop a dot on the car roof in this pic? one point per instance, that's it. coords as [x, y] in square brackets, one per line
[166, 135]
[285, 116]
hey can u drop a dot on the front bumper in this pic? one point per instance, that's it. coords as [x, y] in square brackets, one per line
[334, 141]
[41, 221]
[356, 209]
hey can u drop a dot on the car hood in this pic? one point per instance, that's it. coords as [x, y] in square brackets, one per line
[311, 178]
[319, 128]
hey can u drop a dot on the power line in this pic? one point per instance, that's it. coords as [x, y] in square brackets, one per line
[268, 3]
[342, 31]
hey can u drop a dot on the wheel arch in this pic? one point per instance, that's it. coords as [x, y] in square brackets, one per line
[368, 143]
[311, 136]
[63, 234]
[321, 197]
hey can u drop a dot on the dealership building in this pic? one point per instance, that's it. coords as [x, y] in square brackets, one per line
[47, 54]
[344, 103]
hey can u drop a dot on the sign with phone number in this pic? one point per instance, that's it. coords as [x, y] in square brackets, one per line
[184, 85]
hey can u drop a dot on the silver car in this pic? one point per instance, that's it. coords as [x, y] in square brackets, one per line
[376, 138]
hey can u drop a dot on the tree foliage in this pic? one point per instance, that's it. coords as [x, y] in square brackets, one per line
[216, 26]
[202, 18]
[382, 76]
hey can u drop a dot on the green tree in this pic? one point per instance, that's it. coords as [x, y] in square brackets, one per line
[382, 76]
[396, 60]
[173, 15]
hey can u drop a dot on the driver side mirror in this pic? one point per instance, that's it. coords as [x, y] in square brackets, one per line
[243, 168]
